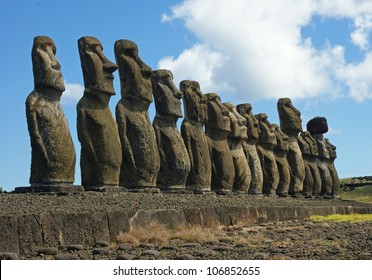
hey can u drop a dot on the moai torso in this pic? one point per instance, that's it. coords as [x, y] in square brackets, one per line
[317, 126]
[217, 131]
[174, 159]
[235, 140]
[308, 181]
[250, 148]
[141, 162]
[280, 151]
[265, 147]
[53, 154]
[192, 131]
[97, 130]
[291, 125]
[311, 159]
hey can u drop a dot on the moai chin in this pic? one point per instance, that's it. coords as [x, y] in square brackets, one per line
[235, 140]
[192, 131]
[311, 158]
[265, 147]
[250, 149]
[53, 154]
[141, 162]
[97, 130]
[217, 130]
[317, 126]
[280, 151]
[174, 159]
[291, 125]
[332, 168]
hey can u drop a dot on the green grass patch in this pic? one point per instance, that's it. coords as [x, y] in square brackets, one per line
[340, 218]
[362, 194]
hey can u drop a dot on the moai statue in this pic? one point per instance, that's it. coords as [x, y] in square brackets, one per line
[332, 168]
[317, 127]
[97, 130]
[291, 124]
[280, 151]
[217, 130]
[192, 131]
[174, 159]
[308, 181]
[250, 149]
[265, 147]
[311, 159]
[141, 162]
[53, 154]
[235, 140]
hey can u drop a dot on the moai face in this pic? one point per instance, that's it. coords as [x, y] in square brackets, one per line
[281, 138]
[97, 68]
[194, 101]
[290, 117]
[134, 73]
[253, 128]
[237, 122]
[331, 149]
[312, 143]
[303, 144]
[217, 114]
[45, 65]
[267, 135]
[167, 96]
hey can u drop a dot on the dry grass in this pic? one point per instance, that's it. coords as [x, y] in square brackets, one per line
[350, 218]
[159, 234]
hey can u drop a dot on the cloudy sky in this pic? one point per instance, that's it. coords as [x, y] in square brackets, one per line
[317, 52]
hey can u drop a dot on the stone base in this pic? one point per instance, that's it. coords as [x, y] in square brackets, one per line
[50, 189]
[144, 190]
[111, 189]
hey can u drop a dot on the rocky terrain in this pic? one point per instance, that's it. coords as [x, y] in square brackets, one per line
[280, 240]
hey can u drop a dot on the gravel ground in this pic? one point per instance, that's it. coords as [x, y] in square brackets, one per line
[282, 240]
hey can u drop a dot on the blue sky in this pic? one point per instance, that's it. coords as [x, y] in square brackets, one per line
[317, 52]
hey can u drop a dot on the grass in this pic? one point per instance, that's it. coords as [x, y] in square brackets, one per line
[339, 218]
[362, 194]
[159, 234]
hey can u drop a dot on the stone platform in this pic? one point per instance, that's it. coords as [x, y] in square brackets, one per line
[30, 221]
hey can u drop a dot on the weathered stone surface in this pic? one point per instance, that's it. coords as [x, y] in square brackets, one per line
[311, 159]
[309, 180]
[250, 148]
[141, 162]
[53, 154]
[265, 146]
[236, 138]
[280, 151]
[332, 168]
[323, 166]
[174, 159]
[192, 131]
[317, 125]
[291, 124]
[217, 130]
[9, 241]
[97, 130]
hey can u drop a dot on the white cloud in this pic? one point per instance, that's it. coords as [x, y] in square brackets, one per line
[72, 94]
[254, 49]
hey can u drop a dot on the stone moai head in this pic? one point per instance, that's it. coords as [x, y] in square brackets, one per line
[134, 73]
[290, 117]
[331, 149]
[306, 135]
[166, 94]
[267, 135]
[238, 122]
[194, 101]
[45, 66]
[217, 114]
[97, 68]
[317, 125]
[253, 127]
[303, 144]
[281, 138]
